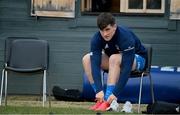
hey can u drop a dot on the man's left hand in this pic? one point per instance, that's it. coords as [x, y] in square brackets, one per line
[111, 98]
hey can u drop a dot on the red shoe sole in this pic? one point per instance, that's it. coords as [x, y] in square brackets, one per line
[94, 107]
[103, 106]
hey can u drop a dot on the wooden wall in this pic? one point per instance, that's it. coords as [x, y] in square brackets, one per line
[69, 41]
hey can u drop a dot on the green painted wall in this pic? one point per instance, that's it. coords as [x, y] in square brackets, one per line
[69, 41]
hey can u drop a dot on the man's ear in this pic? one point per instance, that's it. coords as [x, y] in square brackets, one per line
[115, 26]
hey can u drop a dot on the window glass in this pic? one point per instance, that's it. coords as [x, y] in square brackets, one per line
[153, 4]
[101, 5]
[135, 4]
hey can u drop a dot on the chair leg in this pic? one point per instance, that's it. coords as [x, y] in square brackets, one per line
[152, 88]
[49, 95]
[2, 83]
[140, 92]
[49, 91]
[6, 83]
[44, 87]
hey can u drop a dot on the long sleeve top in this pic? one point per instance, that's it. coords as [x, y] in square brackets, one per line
[124, 41]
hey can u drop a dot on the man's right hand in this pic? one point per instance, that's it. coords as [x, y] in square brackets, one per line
[100, 96]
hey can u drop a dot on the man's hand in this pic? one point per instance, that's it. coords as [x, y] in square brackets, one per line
[111, 98]
[100, 96]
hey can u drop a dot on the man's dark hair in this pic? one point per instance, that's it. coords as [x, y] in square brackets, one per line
[104, 19]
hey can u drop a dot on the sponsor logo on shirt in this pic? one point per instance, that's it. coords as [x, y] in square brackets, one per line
[117, 47]
[129, 48]
[91, 53]
[106, 46]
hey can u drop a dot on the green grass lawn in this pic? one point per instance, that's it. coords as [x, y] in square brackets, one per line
[32, 105]
[41, 110]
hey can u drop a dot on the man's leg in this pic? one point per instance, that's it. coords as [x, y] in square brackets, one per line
[114, 68]
[114, 73]
[113, 77]
[87, 67]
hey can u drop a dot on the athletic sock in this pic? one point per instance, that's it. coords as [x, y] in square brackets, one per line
[109, 91]
[93, 86]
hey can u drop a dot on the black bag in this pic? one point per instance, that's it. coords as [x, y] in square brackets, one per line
[66, 94]
[161, 107]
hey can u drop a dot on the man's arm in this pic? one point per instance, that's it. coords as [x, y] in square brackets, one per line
[95, 56]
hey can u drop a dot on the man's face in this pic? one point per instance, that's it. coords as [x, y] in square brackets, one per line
[108, 32]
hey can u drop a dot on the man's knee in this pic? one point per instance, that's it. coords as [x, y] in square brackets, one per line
[86, 58]
[115, 59]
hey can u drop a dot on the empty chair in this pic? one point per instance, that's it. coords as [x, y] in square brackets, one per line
[25, 56]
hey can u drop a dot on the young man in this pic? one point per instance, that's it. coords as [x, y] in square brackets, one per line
[116, 49]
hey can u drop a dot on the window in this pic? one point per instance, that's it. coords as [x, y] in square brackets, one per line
[175, 10]
[100, 5]
[123, 6]
[53, 8]
[142, 6]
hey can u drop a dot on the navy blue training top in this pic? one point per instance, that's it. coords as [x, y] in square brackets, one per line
[124, 41]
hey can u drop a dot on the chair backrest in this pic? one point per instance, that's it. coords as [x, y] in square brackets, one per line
[28, 54]
[149, 51]
[8, 43]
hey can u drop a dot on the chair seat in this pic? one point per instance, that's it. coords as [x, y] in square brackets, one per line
[24, 70]
[135, 74]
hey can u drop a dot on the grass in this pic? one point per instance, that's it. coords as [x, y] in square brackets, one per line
[32, 105]
[40, 110]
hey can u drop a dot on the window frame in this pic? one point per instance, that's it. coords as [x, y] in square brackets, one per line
[88, 5]
[86, 8]
[125, 9]
[64, 9]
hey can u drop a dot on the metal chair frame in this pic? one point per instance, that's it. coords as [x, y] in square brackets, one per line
[4, 80]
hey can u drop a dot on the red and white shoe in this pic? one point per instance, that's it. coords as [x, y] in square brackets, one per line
[94, 107]
[103, 107]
